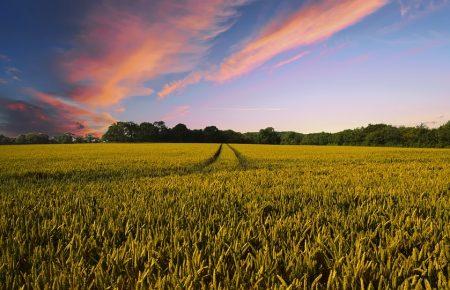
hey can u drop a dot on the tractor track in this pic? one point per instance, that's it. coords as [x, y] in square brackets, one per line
[243, 162]
[211, 159]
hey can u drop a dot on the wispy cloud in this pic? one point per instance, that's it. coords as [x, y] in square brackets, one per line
[411, 10]
[177, 113]
[3, 81]
[247, 109]
[417, 8]
[178, 85]
[314, 22]
[120, 49]
[290, 60]
[13, 72]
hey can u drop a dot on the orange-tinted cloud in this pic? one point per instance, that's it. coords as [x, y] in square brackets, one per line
[121, 48]
[176, 113]
[172, 87]
[314, 22]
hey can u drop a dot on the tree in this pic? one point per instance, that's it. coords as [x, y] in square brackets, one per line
[148, 132]
[212, 134]
[291, 138]
[230, 136]
[65, 138]
[381, 134]
[346, 137]
[122, 132]
[90, 138]
[180, 133]
[163, 131]
[4, 140]
[318, 139]
[79, 139]
[268, 136]
[32, 138]
[443, 134]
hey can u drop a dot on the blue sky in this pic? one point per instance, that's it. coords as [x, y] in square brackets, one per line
[307, 66]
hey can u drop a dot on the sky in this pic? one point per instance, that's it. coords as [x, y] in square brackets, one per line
[305, 66]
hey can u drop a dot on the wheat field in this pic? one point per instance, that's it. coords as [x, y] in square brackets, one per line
[192, 216]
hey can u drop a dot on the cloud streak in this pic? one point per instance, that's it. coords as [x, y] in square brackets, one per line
[13, 73]
[248, 109]
[313, 23]
[178, 85]
[291, 60]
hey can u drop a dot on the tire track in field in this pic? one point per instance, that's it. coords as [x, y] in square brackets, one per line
[211, 159]
[94, 175]
[243, 161]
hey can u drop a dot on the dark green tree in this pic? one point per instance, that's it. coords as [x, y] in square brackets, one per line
[291, 138]
[212, 134]
[4, 140]
[65, 138]
[148, 132]
[179, 133]
[268, 136]
[32, 138]
[122, 132]
[443, 135]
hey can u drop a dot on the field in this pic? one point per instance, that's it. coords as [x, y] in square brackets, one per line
[210, 216]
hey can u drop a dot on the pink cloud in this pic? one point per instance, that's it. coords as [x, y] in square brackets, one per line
[176, 113]
[172, 87]
[119, 49]
[70, 117]
[17, 106]
[120, 110]
[314, 22]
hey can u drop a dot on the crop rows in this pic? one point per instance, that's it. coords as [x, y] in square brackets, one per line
[219, 216]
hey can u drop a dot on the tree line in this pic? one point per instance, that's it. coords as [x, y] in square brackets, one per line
[41, 138]
[371, 135]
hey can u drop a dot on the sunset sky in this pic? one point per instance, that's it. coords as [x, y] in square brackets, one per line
[307, 66]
